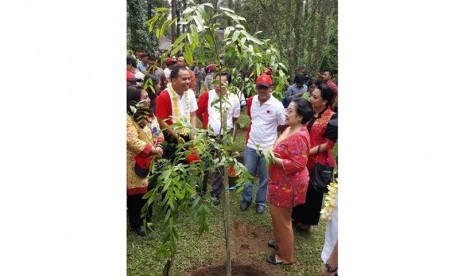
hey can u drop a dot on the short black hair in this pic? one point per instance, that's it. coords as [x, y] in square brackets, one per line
[175, 72]
[228, 76]
[330, 73]
[326, 93]
[303, 109]
[133, 97]
[299, 78]
[131, 61]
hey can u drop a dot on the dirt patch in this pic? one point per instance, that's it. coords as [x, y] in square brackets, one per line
[248, 252]
[236, 270]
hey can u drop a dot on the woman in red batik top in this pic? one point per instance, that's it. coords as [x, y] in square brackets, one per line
[288, 179]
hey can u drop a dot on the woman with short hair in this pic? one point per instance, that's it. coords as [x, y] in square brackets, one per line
[288, 179]
[323, 137]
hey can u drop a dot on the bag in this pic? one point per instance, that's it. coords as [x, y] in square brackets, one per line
[321, 176]
[141, 172]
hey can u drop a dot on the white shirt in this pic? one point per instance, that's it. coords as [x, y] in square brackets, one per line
[230, 103]
[138, 74]
[265, 121]
[167, 72]
[182, 103]
[330, 235]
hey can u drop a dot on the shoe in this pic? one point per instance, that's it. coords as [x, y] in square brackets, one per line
[260, 209]
[244, 205]
[272, 243]
[140, 230]
[272, 260]
[302, 227]
[215, 200]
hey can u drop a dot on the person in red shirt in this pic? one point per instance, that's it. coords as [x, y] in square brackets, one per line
[323, 137]
[327, 78]
[193, 83]
[288, 179]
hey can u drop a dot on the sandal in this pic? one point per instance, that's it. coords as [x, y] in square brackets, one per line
[272, 243]
[272, 260]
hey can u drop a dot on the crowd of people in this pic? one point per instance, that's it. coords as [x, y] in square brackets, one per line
[299, 131]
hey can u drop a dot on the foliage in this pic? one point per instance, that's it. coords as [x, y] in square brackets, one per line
[294, 26]
[180, 181]
[239, 50]
[138, 36]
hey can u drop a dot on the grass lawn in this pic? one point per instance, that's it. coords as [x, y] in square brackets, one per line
[195, 251]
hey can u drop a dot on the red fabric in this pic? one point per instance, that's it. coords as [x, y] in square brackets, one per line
[129, 75]
[137, 191]
[332, 86]
[164, 110]
[193, 157]
[287, 185]
[231, 171]
[317, 137]
[143, 158]
[202, 110]
[249, 112]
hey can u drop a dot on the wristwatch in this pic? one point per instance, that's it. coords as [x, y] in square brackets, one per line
[329, 268]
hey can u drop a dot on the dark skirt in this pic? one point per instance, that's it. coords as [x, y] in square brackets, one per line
[309, 212]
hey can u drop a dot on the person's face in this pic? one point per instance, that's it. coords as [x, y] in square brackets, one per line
[145, 60]
[292, 118]
[224, 83]
[264, 93]
[158, 87]
[144, 98]
[181, 61]
[312, 87]
[181, 83]
[325, 76]
[316, 101]
[131, 68]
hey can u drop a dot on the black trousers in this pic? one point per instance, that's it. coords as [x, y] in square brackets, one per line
[309, 212]
[135, 204]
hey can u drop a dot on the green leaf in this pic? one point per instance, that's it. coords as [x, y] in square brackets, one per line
[188, 10]
[160, 32]
[179, 40]
[235, 35]
[227, 31]
[207, 5]
[162, 9]
[234, 17]
[188, 55]
[198, 22]
[178, 49]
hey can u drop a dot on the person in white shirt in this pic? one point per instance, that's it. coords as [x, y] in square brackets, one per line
[209, 113]
[267, 114]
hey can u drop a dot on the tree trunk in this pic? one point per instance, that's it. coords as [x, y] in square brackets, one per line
[329, 30]
[321, 37]
[311, 35]
[297, 45]
[173, 26]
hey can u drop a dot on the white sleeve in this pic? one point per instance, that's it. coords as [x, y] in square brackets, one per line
[192, 101]
[236, 107]
[281, 114]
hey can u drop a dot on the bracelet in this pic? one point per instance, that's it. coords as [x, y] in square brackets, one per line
[329, 268]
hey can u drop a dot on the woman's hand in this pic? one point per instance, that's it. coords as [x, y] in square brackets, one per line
[157, 152]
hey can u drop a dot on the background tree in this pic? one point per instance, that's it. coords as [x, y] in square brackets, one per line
[138, 36]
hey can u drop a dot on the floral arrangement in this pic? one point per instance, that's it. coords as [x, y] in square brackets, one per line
[330, 200]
